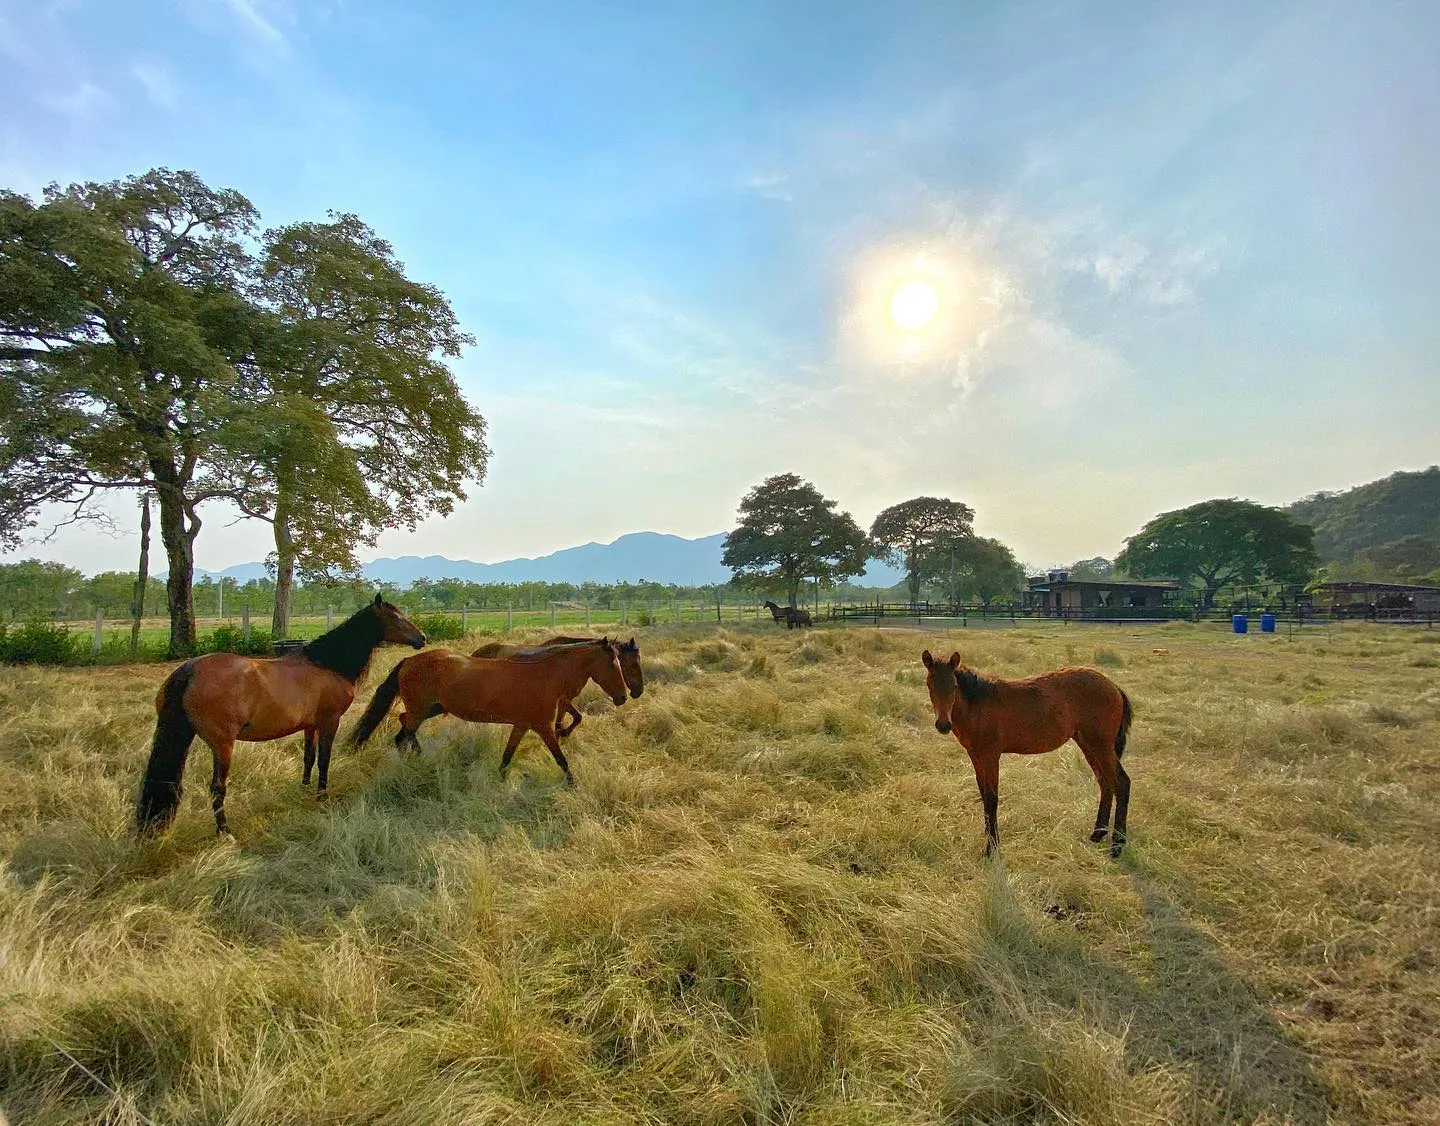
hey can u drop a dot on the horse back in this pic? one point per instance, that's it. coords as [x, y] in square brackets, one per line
[258, 698]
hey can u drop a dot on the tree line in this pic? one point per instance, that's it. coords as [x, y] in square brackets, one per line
[788, 533]
[155, 341]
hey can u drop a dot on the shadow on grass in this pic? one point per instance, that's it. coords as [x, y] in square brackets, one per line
[1191, 1011]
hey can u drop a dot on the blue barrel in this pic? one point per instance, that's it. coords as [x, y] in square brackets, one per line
[1240, 623]
[1267, 623]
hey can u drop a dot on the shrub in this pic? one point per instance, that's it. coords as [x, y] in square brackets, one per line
[439, 627]
[37, 642]
[231, 639]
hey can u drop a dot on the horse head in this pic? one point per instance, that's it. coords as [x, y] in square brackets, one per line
[630, 666]
[396, 627]
[943, 686]
[607, 673]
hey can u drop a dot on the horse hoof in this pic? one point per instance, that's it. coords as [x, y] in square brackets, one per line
[1098, 835]
[1115, 850]
[322, 795]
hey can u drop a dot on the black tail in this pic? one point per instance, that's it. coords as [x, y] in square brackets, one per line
[379, 707]
[160, 790]
[1126, 715]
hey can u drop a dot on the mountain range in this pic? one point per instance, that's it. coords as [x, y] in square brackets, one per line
[653, 556]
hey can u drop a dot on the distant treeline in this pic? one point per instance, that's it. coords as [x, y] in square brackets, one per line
[32, 588]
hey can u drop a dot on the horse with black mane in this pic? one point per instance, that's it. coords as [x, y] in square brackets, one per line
[524, 690]
[792, 617]
[629, 668]
[991, 717]
[224, 697]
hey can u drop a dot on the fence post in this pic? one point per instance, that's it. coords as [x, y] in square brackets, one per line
[587, 615]
[329, 617]
[465, 618]
[99, 629]
[676, 607]
[509, 617]
[624, 613]
[552, 615]
[245, 624]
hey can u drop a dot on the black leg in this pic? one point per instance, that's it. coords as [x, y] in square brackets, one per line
[559, 755]
[327, 740]
[516, 734]
[1102, 815]
[309, 755]
[1122, 807]
[219, 778]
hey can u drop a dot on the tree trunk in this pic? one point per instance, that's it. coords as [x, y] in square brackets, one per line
[179, 553]
[284, 573]
[792, 583]
[142, 578]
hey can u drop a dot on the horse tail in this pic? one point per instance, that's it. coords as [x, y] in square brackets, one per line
[1126, 715]
[379, 706]
[174, 732]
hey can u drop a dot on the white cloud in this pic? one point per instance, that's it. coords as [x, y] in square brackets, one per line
[157, 82]
[251, 19]
[80, 103]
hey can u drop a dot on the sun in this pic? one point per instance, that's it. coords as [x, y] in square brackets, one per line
[914, 305]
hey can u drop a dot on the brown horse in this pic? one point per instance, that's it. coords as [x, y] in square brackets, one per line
[224, 697]
[993, 717]
[524, 690]
[629, 667]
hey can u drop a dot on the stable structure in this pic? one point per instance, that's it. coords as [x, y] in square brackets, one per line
[1377, 600]
[1056, 595]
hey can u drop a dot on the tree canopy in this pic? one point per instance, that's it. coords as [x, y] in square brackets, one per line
[1220, 542]
[917, 535]
[985, 569]
[789, 532]
[148, 342]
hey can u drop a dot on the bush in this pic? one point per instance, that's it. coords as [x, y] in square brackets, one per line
[439, 627]
[37, 642]
[230, 639]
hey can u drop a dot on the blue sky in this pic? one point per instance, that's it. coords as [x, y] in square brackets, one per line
[1183, 250]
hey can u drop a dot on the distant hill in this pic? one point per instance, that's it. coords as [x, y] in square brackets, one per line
[654, 556]
[1371, 517]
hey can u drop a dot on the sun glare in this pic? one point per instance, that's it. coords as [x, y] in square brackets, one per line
[914, 305]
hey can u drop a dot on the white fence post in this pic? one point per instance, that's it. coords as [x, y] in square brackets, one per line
[245, 623]
[465, 618]
[329, 618]
[99, 630]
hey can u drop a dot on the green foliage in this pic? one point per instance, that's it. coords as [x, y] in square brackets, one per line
[35, 587]
[1372, 516]
[789, 532]
[231, 639]
[439, 627]
[36, 642]
[1092, 570]
[920, 534]
[1221, 542]
[985, 569]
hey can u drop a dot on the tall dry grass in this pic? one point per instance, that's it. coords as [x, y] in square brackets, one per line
[764, 902]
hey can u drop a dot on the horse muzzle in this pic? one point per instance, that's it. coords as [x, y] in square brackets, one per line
[620, 699]
[419, 644]
[636, 693]
[942, 726]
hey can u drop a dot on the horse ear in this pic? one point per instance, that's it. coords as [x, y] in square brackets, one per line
[632, 642]
[379, 601]
[928, 660]
[954, 660]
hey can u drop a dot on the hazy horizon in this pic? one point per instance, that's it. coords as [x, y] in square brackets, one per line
[1186, 255]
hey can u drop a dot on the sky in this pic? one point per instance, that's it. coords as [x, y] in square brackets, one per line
[1180, 250]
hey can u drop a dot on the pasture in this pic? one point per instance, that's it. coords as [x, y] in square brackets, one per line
[764, 901]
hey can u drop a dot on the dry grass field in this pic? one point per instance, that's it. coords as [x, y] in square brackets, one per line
[764, 902]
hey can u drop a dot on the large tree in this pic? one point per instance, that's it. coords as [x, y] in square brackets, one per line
[789, 532]
[1220, 542]
[387, 437]
[985, 569]
[121, 315]
[915, 533]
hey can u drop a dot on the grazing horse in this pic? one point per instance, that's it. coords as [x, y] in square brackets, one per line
[524, 690]
[992, 717]
[223, 697]
[789, 615]
[629, 666]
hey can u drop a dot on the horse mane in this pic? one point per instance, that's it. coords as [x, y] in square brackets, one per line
[972, 685]
[347, 648]
[535, 655]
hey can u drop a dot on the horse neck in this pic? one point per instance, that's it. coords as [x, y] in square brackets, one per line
[593, 669]
[346, 650]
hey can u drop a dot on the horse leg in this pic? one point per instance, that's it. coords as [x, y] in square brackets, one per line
[516, 734]
[554, 744]
[309, 755]
[987, 778]
[566, 708]
[326, 740]
[1122, 807]
[219, 778]
[1105, 778]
